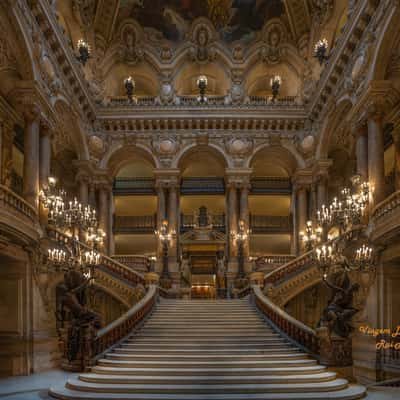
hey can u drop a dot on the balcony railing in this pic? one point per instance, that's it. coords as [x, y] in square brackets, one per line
[13, 202]
[270, 185]
[126, 186]
[212, 101]
[271, 261]
[135, 224]
[270, 224]
[188, 222]
[203, 185]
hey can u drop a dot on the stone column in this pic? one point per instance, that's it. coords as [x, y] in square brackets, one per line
[1, 151]
[232, 218]
[83, 190]
[31, 157]
[321, 191]
[376, 171]
[173, 219]
[104, 212]
[396, 139]
[302, 208]
[92, 195]
[362, 151]
[161, 215]
[45, 155]
[111, 241]
[244, 216]
[295, 239]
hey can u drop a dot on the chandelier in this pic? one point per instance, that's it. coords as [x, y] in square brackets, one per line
[345, 213]
[73, 224]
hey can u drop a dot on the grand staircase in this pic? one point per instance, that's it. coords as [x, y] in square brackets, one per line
[207, 350]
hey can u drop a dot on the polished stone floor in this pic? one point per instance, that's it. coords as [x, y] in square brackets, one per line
[35, 387]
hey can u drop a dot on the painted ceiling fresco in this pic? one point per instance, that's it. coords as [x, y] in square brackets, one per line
[233, 19]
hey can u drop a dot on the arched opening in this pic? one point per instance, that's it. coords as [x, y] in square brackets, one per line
[270, 203]
[135, 206]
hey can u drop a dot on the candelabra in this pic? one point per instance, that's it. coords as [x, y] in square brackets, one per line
[165, 237]
[129, 87]
[311, 236]
[202, 82]
[84, 52]
[344, 213]
[72, 219]
[240, 237]
[320, 50]
[275, 83]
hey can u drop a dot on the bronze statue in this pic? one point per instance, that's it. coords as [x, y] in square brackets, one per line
[339, 312]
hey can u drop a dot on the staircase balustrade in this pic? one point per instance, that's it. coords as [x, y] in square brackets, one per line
[136, 223]
[110, 335]
[294, 329]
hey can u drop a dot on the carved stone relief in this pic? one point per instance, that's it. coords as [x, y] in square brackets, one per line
[130, 50]
[202, 49]
[274, 35]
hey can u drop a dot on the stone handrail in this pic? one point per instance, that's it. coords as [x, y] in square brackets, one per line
[294, 329]
[137, 263]
[9, 199]
[386, 206]
[289, 269]
[121, 327]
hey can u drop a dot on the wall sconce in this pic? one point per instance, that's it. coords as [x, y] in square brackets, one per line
[129, 87]
[84, 52]
[320, 50]
[202, 82]
[275, 83]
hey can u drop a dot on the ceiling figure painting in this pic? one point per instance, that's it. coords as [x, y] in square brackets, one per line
[235, 20]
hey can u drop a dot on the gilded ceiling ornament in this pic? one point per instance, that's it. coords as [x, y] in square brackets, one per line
[129, 50]
[84, 11]
[274, 35]
[202, 50]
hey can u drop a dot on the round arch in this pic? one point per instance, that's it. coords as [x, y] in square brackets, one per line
[182, 159]
[284, 157]
[121, 155]
[331, 123]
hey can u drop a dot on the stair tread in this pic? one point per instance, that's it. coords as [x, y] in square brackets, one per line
[349, 393]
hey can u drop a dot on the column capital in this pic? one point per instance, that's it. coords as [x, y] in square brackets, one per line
[302, 179]
[167, 178]
[238, 178]
[321, 169]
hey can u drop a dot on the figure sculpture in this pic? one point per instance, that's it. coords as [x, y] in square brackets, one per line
[339, 312]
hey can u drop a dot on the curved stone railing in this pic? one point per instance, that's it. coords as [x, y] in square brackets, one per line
[386, 217]
[212, 101]
[137, 263]
[298, 332]
[124, 325]
[10, 200]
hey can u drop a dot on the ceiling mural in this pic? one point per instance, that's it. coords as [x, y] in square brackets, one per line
[235, 20]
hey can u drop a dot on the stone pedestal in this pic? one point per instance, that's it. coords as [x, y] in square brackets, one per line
[257, 278]
[334, 350]
[151, 278]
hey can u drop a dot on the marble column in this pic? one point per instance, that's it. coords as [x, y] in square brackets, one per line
[111, 209]
[173, 212]
[232, 219]
[396, 139]
[84, 190]
[362, 152]
[103, 212]
[294, 248]
[376, 170]
[31, 157]
[6, 154]
[1, 150]
[45, 156]
[321, 191]
[92, 195]
[244, 216]
[302, 208]
[161, 215]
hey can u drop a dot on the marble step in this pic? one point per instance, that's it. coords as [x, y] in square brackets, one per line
[121, 355]
[206, 339]
[336, 384]
[205, 364]
[205, 334]
[352, 392]
[208, 345]
[206, 352]
[205, 380]
[287, 370]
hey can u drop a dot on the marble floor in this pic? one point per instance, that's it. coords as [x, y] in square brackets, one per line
[35, 387]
